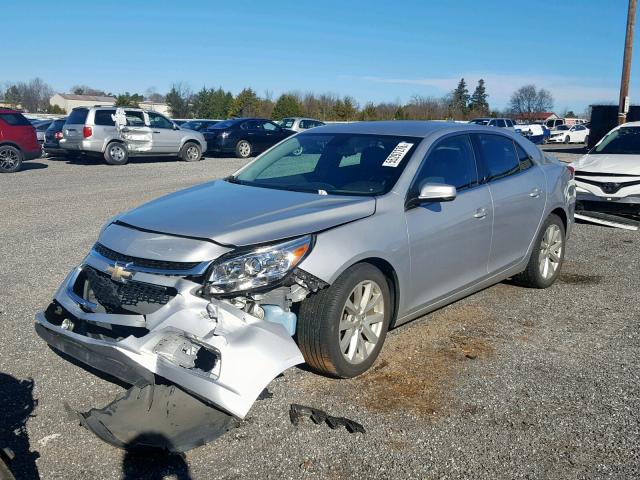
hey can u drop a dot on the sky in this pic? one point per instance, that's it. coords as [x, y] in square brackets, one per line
[372, 50]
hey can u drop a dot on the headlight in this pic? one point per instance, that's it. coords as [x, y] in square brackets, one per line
[258, 267]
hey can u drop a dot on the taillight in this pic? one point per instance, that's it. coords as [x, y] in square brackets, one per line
[572, 171]
[58, 135]
[87, 132]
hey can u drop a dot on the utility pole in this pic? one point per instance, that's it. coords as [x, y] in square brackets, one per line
[623, 104]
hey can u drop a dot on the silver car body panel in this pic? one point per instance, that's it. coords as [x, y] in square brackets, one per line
[433, 254]
[204, 212]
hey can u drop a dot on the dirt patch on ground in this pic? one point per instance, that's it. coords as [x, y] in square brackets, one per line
[421, 363]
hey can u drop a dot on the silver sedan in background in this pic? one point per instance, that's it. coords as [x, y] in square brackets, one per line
[311, 253]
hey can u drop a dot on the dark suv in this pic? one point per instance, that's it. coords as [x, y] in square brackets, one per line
[18, 140]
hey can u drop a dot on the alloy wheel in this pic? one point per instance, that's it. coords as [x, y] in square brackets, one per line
[245, 149]
[8, 158]
[117, 153]
[361, 322]
[550, 251]
[192, 153]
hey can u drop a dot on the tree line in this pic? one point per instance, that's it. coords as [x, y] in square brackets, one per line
[459, 104]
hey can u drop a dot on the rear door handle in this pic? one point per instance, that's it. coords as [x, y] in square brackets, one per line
[480, 213]
[535, 193]
[157, 131]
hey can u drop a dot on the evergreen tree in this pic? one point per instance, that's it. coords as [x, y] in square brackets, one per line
[287, 105]
[460, 99]
[12, 96]
[478, 103]
[178, 100]
[246, 104]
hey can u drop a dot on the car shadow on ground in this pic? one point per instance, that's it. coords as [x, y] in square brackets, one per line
[31, 165]
[16, 407]
[84, 160]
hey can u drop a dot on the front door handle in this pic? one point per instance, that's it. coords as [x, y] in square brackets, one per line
[480, 213]
[157, 131]
[535, 193]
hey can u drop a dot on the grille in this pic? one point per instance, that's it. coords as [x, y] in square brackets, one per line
[143, 262]
[114, 297]
[608, 187]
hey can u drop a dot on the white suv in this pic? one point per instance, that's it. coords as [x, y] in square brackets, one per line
[94, 131]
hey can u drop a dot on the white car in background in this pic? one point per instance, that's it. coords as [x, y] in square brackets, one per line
[608, 177]
[567, 134]
[299, 124]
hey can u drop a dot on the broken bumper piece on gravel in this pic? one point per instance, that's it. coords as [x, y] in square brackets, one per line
[218, 353]
[157, 417]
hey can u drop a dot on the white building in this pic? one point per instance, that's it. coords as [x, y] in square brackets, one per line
[161, 108]
[69, 101]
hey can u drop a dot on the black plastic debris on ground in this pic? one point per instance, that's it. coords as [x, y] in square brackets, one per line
[157, 417]
[298, 412]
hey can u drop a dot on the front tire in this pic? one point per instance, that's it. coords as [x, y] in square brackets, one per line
[341, 329]
[547, 256]
[11, 159]
[243, 149]
[116, 153]
[190, 152]
[567, 139]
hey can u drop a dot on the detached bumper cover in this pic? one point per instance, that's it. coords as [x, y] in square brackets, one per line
[213, 350]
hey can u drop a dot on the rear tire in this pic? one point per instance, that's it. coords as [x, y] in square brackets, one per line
[190, 152]
[11, 159]
[116, 153]
[547, 256]
[586, 141]
[337, 334]
[243, 149]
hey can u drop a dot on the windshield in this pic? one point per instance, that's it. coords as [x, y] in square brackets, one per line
[191, 125]
[622, 141]
[480, 121]
[562, 127]
[340, 164]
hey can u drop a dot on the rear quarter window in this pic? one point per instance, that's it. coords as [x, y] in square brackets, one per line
[77, 116]
[103, 117]
[15, 119]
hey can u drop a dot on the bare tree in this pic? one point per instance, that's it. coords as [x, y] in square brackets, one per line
[34, 95]
[528, 99]
[86, 90]
[152, 95]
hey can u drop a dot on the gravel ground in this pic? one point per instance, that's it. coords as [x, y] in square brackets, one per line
[508, 383]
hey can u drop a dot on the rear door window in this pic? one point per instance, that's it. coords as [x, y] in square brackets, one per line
[451, 162]
[78, 116]
[500, 123]
[498, 155]
[104, 118]
[15, 119]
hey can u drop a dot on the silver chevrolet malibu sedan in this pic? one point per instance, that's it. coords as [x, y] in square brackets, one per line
[310, 253]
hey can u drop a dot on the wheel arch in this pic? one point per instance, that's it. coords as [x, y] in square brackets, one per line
[9, 143]
[392, 280]
[563, 216]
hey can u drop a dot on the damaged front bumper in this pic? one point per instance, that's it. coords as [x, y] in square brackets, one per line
[211, 349]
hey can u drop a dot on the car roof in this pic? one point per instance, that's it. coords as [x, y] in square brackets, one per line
[8, 110]
[410, 128]
[631, 124]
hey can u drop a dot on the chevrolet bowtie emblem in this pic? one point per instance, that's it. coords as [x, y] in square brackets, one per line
[118, 273]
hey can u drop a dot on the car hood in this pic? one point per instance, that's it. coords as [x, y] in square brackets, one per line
[625, 164]
[237, 215]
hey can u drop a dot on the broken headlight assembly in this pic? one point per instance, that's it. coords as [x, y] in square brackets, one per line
[258, 267]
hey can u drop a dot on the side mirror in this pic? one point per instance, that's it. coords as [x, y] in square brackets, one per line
[176, 127]
[436, 192]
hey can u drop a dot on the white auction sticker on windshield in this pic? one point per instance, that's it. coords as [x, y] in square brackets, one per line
[398, 153]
